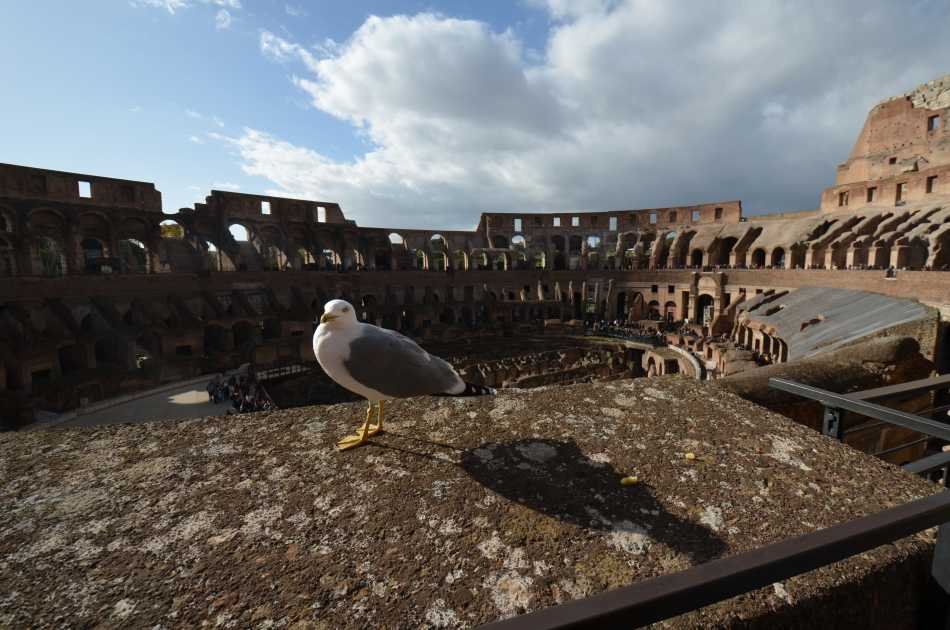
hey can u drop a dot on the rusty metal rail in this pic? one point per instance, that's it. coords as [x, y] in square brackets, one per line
[667, 596]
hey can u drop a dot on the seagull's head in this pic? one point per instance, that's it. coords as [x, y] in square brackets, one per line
[338, 314]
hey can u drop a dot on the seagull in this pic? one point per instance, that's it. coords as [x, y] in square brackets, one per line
[380, 364]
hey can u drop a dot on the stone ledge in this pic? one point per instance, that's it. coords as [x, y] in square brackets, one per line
[465, 511]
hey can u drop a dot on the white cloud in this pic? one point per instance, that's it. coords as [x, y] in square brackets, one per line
[217, 121]
[279, 49]
[222, 20]
[195, 139]
[169, 5]
[175, 5]
[631, 104]
[135, 109]
[192, 114]
[226, 186]
[294, 11]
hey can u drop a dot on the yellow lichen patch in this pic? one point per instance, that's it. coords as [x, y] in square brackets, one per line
[629, 481]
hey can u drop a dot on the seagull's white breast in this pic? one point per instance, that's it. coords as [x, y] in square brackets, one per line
[332, 348]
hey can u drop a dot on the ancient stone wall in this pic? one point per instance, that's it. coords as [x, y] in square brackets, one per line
[905, 141]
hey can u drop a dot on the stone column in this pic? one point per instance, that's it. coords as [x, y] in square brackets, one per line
[809, 258]
[899, 255]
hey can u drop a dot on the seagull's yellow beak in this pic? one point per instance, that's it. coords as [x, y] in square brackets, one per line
[326, 317]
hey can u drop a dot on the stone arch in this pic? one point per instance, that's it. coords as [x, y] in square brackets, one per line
[437, 243]
[216, 258]
[420, 259]
[439, 261]
[330, 258]
[705, 309]
[778, 258]
[539, 259]
[798, 257]
[725, 248]
[175, 251]
[460, 260]
[171, 229]
[480, 260]
[7, 258]
[696, 258]
[48, 257]
[95, 225]
[269, 240]
[7, 220]
[500, 262]
[621, 305]
[669, 311]
[359, 260]
[133, 246]
[93, 251]
[303, 257]
[758, 258]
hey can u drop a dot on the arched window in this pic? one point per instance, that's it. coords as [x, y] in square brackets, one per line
[133, 256]
[92, 250]
[696, 258]
[171, 229]
[50, 258]
[239, 232]
[778, 258]
[437, 243]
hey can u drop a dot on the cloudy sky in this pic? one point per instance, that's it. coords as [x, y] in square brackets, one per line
[426, 113]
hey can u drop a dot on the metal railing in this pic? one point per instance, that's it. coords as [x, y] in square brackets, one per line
[838, 405]
[667, 596]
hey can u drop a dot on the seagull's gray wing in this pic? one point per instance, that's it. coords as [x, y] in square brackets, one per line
[396, 366]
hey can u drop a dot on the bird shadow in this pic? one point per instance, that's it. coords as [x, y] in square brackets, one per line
[556, 479]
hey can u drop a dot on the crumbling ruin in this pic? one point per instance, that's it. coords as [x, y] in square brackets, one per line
[103, 294]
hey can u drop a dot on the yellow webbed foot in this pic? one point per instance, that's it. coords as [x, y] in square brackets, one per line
[366, 431]
[352, 441]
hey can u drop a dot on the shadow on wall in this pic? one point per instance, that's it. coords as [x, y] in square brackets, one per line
[556, 479]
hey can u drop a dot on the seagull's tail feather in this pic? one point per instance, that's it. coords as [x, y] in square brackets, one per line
[472, 389]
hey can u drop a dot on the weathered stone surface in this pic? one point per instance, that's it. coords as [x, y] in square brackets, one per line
[464, 511]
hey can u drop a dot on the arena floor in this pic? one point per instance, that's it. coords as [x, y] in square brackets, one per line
[188, 401]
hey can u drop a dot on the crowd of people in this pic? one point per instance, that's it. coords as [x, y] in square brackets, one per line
[244, 392]
[625, 330]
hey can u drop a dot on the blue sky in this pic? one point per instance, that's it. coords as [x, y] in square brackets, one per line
[412, 113]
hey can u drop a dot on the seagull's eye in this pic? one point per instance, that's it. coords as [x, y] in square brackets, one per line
[346, 309]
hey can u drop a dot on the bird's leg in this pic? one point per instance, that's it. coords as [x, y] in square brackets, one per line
[351, 441]
[379, 419]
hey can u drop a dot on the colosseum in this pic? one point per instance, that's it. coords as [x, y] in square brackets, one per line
[105, 294]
